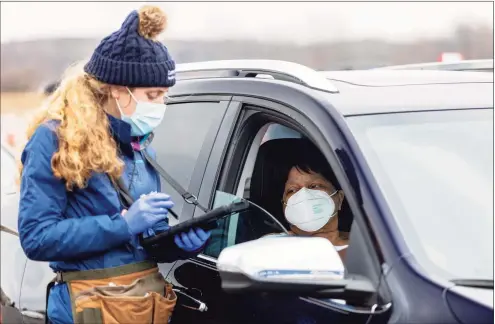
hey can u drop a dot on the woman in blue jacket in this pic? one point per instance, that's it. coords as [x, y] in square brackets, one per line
[93, 132]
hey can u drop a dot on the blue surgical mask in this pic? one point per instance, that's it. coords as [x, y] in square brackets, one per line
[146, 118]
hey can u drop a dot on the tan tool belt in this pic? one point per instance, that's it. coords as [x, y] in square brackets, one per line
[133, 293]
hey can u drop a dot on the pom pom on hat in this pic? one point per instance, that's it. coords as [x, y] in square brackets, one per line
[152, 22]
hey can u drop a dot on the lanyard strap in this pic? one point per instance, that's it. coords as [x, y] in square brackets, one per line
[124, 195]
[187, 196]
[126, 198]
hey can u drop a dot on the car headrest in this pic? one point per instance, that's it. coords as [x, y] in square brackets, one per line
[273, 163]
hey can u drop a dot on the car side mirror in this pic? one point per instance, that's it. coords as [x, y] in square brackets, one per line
[307, 266]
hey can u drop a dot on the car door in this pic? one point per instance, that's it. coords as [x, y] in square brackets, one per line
[199, 274]
[185, 274]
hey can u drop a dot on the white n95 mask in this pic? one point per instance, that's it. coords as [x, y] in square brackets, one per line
[309, 209]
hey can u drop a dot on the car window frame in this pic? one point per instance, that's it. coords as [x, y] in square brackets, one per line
[250, 161]
[255, 136]
[241, 135]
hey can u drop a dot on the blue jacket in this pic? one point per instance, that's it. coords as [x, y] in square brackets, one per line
[82, 229]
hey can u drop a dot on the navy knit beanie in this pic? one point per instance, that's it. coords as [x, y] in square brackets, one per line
[131, 56]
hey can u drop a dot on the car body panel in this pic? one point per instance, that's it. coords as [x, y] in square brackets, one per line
[471, 305]
[480, 295]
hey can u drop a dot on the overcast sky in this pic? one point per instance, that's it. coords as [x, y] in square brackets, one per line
[297, 22]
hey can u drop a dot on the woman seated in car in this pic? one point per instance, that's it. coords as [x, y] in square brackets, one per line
[312, 199]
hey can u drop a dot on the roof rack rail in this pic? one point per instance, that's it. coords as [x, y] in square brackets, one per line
[280, 70]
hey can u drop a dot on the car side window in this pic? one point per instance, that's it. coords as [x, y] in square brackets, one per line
[239, 227]
[179, 140]
[251, 224]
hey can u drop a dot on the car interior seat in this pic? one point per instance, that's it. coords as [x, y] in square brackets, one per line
[270, 172]
[266, 188]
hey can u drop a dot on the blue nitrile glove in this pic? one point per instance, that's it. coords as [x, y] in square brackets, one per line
[147, 211]
[192, 240]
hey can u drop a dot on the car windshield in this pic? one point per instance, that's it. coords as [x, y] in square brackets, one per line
[435, 170]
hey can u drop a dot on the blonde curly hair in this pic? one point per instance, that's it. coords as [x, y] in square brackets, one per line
[85, 142]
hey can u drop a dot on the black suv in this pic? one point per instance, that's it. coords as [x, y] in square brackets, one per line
[412, 151]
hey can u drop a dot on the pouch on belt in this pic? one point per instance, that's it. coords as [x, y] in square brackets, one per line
[134, 293]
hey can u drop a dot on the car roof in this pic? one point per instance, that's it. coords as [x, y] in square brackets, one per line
[350, 92]
[390, 91]
[465, 65]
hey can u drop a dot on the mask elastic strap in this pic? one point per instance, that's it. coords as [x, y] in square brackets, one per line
[118, 104]
[120, 109]
[131, 94]
[334, 193]
[337, 210]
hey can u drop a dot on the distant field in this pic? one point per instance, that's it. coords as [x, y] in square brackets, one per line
[19, 102]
